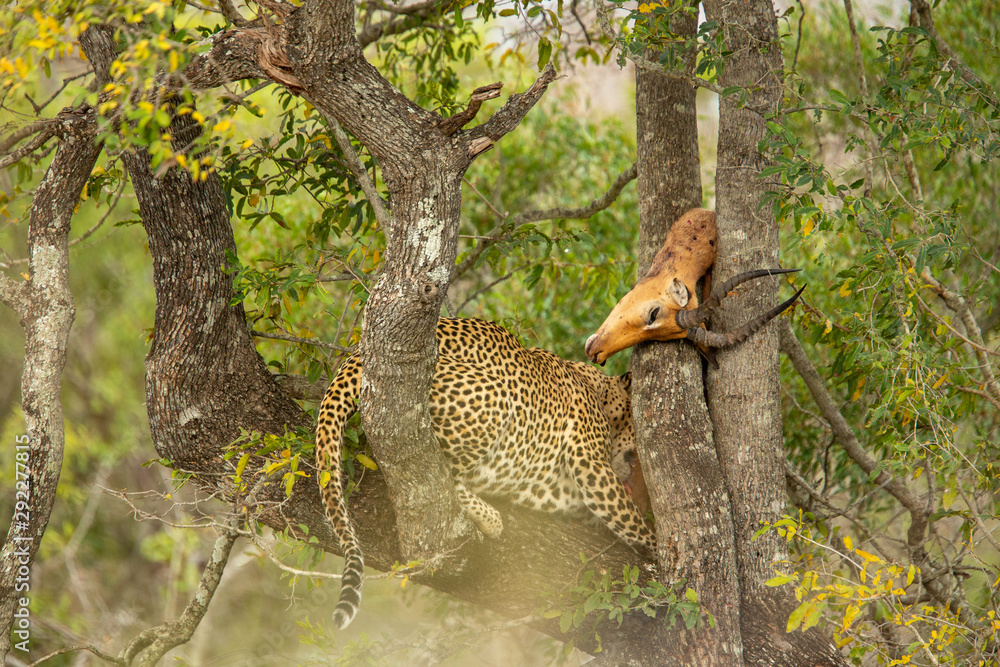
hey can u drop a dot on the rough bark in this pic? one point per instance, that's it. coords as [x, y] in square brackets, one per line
[673, 429]
[743, 394]
[45, 306]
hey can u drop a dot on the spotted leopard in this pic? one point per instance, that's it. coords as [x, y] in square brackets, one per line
[512, 422]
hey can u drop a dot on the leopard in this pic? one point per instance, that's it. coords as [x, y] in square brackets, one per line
[515, 423]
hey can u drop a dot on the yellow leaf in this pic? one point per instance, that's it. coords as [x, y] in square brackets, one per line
[246, 144]
[845, 289]
[871, 558]
[828, 328]
[852, 612]
[848, 543]
[940, 381]
[222, 125]
[807, 227]
[181, 160]
[367, 462]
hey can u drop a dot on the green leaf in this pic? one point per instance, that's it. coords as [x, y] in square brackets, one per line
[691, 595]
[592, 602]
[566, 622]
[795, 619]
[813, 615]
[839, 97]
[781, 580]
[544, 52]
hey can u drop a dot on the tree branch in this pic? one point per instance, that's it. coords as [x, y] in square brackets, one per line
[45, 303]
[958, 305]
[497, 234]
[45, 129]
[231, 13]
[152, 644]
[13, 294]
[26, 131]
[510, 115]
[923, 11]
[410, 16]
[845, 434]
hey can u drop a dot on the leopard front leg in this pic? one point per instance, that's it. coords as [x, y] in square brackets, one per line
[606, 497]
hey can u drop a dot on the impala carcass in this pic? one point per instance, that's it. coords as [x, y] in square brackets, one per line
[663, 305]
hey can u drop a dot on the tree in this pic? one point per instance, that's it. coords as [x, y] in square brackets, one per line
[220, 417]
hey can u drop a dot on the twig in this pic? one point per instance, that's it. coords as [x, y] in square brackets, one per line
[70, 649]
[40, 107]
[488, 287]
[957, 304]
[44, 134]
[978, 392]
[486, 201]
[358, 169]
[306, 341]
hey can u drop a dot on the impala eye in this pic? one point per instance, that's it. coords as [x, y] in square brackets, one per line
[652, 315]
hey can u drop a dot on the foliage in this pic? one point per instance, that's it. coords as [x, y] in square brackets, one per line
[898, 232]
[597, 598]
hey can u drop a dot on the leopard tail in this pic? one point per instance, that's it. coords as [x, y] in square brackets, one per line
[338, 406]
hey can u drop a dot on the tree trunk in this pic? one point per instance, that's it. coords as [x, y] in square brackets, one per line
[422, 168]
[744, 394]
[673, 429]
[45, 305]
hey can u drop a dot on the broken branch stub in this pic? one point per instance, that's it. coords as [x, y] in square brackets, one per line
[663, 305]
[450, 126]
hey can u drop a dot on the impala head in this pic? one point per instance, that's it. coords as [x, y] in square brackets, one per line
[663, 305]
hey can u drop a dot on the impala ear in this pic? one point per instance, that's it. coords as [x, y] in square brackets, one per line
[678, 291]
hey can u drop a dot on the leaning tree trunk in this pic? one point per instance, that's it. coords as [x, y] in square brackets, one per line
[694, 530]
[744, 394]
[45, 305]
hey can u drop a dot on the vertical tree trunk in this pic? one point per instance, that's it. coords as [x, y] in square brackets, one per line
[45, 305]
[673, 429]
[744, 394]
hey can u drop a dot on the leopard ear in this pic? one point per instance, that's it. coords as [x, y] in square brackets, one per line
[679, 292]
